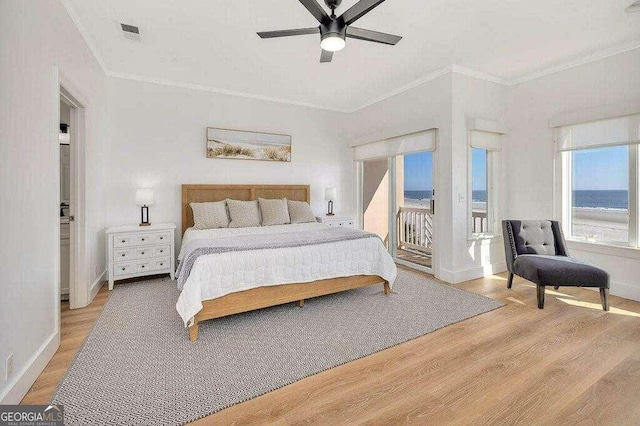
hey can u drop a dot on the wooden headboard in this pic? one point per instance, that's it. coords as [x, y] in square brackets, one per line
[205, 193]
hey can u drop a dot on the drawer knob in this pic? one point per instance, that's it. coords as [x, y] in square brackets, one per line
[161, 251]
[122, 254]
[142, 253]
[162, 238]
[142, 266]
[161, 264]
[123, 241]
[124, 269]
[143, 239]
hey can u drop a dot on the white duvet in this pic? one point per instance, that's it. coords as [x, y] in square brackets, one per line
[215, 275]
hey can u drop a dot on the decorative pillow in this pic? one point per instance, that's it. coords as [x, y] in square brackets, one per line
[274, 211]
[243, 213]
[210, 215]
[300, 212]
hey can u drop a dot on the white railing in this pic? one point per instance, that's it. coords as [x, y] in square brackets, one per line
[415, 229]
[480, 223]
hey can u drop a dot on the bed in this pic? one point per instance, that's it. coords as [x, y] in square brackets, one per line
[233, 282]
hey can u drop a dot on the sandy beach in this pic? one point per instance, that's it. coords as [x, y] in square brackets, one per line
[588, 223]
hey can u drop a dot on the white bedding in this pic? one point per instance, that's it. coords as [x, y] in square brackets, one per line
[215, 275]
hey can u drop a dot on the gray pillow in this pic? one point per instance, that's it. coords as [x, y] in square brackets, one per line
[300, 212]
[274, 211]
[243, 213]
[210, 215]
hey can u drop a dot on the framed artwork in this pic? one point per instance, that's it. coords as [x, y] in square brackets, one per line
[243, 145]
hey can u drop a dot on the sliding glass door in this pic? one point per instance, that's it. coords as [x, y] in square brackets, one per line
[414, 209]
[398, 205]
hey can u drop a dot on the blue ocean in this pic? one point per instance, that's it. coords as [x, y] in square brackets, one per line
[608, 199]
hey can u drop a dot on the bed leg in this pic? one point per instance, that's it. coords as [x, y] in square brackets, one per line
[301, 303]
[387, 289]
[193, 332]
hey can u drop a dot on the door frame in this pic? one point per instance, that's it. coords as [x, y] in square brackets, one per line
[393, 237]
[65, 91]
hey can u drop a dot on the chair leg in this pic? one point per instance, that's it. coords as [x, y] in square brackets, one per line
[556, 287]
[540, 289]
[604, 297]
[510, 280]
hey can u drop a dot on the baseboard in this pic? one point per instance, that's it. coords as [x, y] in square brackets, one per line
[455, 277]
[20, 385]
[97, 285]
[628, 291]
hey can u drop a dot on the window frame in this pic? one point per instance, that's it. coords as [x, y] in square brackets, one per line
[493, 195]
[563, 197]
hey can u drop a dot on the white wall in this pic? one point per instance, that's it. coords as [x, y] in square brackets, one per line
[35, 37]
[446, 102]
[530, 151]
[158, 140]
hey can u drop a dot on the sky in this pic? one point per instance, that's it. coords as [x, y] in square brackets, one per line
[593, 169]
[603, 168]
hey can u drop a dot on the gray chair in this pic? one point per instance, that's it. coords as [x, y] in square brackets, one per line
[536, 251]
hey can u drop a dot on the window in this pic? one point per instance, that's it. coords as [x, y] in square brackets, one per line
[600, 194]
[479, 190]
[600, 180]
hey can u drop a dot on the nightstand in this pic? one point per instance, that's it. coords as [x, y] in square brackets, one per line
[338, 220]
[136, 251]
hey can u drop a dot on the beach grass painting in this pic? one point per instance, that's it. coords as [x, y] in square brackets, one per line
[244, 145]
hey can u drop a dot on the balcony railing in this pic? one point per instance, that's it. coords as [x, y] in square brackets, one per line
[480, 223]
[415, 228]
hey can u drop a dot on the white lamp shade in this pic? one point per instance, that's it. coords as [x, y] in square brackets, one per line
[144, 197]
[330, 194]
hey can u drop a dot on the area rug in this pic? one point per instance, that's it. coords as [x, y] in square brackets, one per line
[138, 366]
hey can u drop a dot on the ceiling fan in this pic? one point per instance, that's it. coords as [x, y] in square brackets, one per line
[334, 29]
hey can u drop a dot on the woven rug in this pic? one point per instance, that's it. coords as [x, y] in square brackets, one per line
[138, 366]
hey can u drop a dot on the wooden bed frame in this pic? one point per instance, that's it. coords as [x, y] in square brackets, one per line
[262, 297]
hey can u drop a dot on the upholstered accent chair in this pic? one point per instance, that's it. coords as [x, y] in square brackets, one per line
[536, 251]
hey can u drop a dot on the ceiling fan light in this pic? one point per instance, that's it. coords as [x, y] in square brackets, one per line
[332, 42]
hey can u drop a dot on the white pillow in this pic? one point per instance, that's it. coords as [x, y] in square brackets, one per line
[210, 215]
[300, 212]
[274, 211]
[243, 213]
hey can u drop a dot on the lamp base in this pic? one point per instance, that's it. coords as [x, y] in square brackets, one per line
[145, 224]
[330, 214]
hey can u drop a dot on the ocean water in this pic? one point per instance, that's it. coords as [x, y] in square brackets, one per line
[478, 196]
[607, 199]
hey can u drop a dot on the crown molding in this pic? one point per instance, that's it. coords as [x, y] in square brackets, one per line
[427, 78]
[479, 75]
[85, 36]
[576, 62]
[203, 88]
[592, 57]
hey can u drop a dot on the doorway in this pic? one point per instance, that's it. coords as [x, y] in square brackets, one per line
[398, 204]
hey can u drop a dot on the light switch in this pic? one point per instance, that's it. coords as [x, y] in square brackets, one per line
[461, 197]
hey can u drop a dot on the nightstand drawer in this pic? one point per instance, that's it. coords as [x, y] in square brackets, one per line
[123, 269]
[142, 239]
[123, 255]
[162, 251]
[160, 264]
[121, 240]
[162, 237]
[142, 253]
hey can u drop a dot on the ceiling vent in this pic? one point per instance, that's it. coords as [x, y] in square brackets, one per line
[130, 31]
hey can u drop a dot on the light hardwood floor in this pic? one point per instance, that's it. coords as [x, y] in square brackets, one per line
[567, 364]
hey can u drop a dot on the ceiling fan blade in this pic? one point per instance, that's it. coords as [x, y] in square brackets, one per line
[326, 56]
[289, 33]
[375, 36]
[358, 10]
[316, 10]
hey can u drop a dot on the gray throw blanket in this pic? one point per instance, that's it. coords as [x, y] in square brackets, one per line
[201, 247]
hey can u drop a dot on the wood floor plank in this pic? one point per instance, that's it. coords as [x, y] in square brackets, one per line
[569, 363]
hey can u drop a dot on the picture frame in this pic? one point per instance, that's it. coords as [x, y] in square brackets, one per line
[248, 145]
